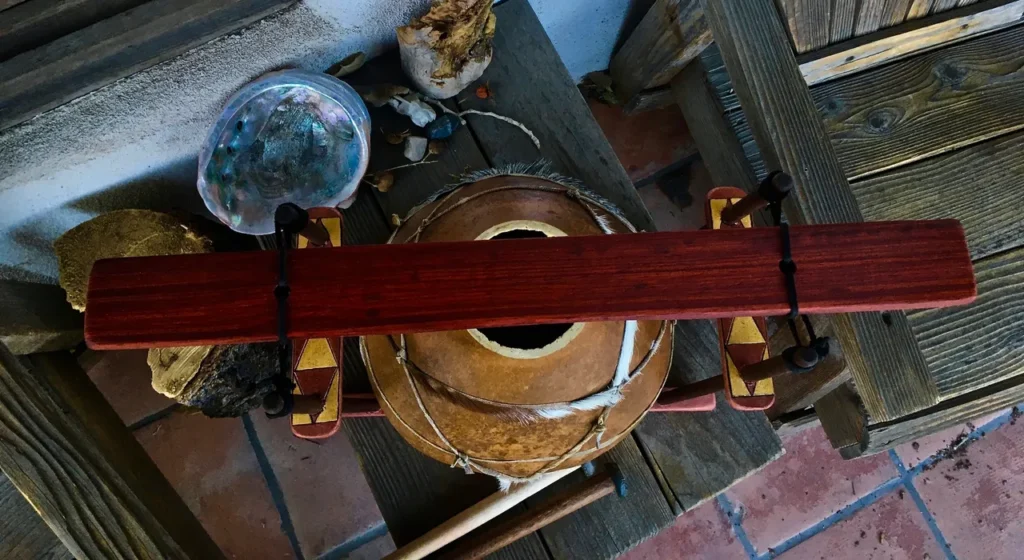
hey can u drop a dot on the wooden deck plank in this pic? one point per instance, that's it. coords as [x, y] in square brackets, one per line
[669, 36]
[926, 105]
[844, 16]
[869, 16]
[913, 37]
[881, 351]
[69, 454]
[974, 185]
[972, 346]
[23, 533]
[33, 24]
[83, 61]
[808, 23]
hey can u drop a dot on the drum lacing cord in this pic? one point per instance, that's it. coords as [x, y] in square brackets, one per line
[598, 428]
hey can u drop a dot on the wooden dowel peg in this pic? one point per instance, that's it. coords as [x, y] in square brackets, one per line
[316, 233]
[799, 359]
[775, 187]
[507, 531]
[698, 389]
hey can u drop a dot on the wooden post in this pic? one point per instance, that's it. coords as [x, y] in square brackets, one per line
[68, 453]
[885, 361]
[671, 34]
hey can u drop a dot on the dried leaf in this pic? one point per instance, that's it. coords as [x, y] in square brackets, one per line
[383, 180]
[395, 138]
[378, 95]
[435, 147]
[395, 220]
[483, 92]
[350, 64]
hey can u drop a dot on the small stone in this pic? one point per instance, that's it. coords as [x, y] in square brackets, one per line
[415, 148]
[415, 108]
[443, 126]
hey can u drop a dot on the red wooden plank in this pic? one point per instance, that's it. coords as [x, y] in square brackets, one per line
[225, 298]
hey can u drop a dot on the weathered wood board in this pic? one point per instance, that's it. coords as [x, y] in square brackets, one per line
[37, 318]
[66, 450]
[33, 24]
[888, 368]
[90, 58]
[23, 533]
[671, 34]
[926, 105]
[893, 43]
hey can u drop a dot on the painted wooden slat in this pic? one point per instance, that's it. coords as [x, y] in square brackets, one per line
[225, 298]
[883, 356]
[927, 105]
[671, 34]
[912, 37]
[90, 58]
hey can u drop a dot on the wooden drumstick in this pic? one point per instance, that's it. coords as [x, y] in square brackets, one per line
[506, 532]
[775, 187]
[487, 509]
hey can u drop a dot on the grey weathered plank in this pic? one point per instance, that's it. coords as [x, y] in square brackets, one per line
[66, 450]
[523, 49]
[952, 412]
[909, 38]
[23, 533]
[90, 58]
[919, 9]
[670, 35]
[808, 22]
[926, 105]
[5, 4]
[972, 185]
[844, 420]
[718, 146]
[33, 24]
[37, 318]
[869, 16]
[844, 14]
[890, 373]
[741, 128]
[943, 5]
[894, 12]
[647, 100]
[702, 454]
[978, 344]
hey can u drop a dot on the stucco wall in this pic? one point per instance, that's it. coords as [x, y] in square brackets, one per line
[133, 143]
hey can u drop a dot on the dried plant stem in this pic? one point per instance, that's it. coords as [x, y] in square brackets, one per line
[521, 126]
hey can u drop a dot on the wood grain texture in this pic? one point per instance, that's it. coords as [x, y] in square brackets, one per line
[68, 453]
[869, 16]
[33, 24]
[37, 318]
[894, 12]
[972, 346]
[406, 287]
[605, 529]
[972, 185]
[5, 4]
[844, 419]
[647, 100]
[844, 15]
[799, 391]
[943, 5]
[741, 128]
[885, 362]
[732, 444]
[930, 104]
[912, 37]
[719, 149]
[808, 22]
[113, 48]
[671, 34]
[23, 534]
[919, 9]
[570, 138]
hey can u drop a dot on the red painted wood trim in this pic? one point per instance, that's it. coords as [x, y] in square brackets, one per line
[224, 298]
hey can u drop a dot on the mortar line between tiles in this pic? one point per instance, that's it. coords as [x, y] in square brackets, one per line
[276, 494]
[908, 482]
[344, 549]
[735, 519]
[846, 512]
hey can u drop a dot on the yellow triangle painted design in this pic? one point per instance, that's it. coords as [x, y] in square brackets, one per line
[745, 331]
[300, 419]
[717, 205]
[333, 226]
[316, 354]
[737, 387]
[330, 411]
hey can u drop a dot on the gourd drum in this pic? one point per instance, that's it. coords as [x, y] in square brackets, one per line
[515, 402]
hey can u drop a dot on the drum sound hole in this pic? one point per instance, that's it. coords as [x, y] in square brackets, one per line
[529, 337]
[526, 338]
